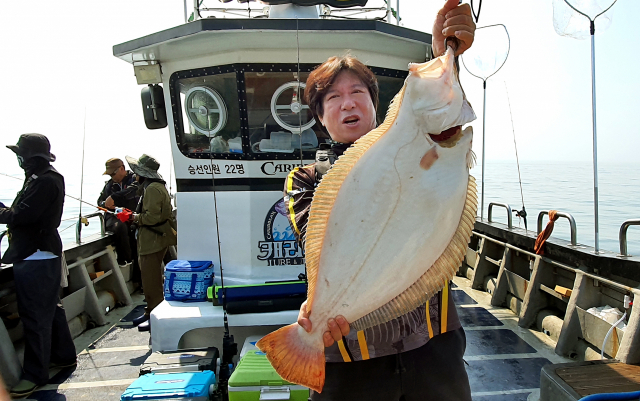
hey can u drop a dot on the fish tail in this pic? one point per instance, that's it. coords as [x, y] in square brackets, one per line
[297, 356]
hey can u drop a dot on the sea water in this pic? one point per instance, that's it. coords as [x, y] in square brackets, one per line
[566, 187]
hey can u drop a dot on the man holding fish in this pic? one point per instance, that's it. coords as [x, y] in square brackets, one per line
[418, 355]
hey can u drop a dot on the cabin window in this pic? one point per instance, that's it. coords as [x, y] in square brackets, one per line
[279, 119]
[254, 111]
[210, 115]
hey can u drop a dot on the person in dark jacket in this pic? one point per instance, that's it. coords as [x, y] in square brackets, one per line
[35, 250]
[120, 191]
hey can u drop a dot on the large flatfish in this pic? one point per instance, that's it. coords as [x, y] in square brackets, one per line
[389, 224]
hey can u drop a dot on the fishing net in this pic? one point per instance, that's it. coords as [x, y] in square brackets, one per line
[489, 51]
[567, 21]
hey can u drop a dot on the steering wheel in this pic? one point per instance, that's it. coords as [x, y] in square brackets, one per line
[292, 109]
[205, 110]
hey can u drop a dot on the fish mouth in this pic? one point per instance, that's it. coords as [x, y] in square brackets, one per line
[351, 120]
[446, 134]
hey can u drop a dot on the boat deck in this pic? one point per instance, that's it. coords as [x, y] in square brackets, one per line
[504, 360]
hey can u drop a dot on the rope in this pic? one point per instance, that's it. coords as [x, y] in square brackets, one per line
[546, 233]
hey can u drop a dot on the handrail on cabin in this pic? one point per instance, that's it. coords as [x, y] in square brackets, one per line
[572, 224]
[84, 219]
[623, 235]
[509, 213]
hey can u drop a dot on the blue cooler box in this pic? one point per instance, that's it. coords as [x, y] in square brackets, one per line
[187, 281]
[193, 386]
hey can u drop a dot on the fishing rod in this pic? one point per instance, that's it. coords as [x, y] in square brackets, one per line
[70, 196]
[84, 137]
[520, 213]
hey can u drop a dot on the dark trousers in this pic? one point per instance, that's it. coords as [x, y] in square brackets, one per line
[152, 278]
[120, 232]
[433, 372]
[46, 333]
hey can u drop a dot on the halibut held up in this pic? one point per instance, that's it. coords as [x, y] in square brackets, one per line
[390, 223]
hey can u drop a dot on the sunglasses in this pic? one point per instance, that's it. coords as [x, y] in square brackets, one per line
[115, 171]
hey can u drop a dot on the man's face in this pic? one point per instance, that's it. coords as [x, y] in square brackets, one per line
[119, 174]
[348, 109]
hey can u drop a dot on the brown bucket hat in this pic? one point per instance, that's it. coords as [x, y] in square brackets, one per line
[112, 165]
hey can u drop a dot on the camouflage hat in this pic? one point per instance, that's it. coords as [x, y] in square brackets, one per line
[112, 165]
[145, 166]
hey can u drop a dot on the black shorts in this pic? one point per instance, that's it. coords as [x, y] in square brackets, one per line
[434, 372]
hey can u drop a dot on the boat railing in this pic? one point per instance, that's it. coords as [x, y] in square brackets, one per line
[509, 213]
[85, 220]
[572, 224]
[623, 235]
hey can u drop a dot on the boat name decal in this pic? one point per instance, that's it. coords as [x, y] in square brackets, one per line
[279, 247]
[271, 168]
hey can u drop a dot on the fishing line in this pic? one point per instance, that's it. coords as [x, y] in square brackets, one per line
[64, 229]
[520, 213]
[298, 98]
[70, 196]
[215, 208]
[300, 122]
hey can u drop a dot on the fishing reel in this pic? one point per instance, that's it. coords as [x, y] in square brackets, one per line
[522, 214]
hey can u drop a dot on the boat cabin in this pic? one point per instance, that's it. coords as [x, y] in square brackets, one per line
[232, 93]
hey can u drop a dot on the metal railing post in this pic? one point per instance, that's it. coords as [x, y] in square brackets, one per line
[509, 212]
[623, 235]
[572, 225]
[87, 217]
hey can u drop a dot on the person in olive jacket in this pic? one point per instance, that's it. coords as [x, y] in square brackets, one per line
[35, 250]
[154, 220]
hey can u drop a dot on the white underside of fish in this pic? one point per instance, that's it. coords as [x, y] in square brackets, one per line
[390, 222]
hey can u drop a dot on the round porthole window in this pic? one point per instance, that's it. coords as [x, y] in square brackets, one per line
[205, 110]
[287, 108]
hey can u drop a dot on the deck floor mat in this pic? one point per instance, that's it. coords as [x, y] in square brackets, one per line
[505, 374]
[503, 397]
[462, 298]
[494, 342]
[474, 317]
[135, 312]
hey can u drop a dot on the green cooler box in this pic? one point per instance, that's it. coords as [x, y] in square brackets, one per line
[255, 379]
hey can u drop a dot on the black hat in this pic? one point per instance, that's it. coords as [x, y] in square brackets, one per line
[33, 145]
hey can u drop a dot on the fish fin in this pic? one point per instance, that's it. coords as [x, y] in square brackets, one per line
[293, 358]
[438, 274]
[471, 159]
[325, 195]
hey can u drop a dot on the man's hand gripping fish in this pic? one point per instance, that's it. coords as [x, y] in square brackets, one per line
[390, 223]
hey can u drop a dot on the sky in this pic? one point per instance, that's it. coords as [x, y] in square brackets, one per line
[62, 80]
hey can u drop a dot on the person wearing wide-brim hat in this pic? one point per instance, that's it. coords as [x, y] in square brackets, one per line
[154, 219]
[35, 250]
